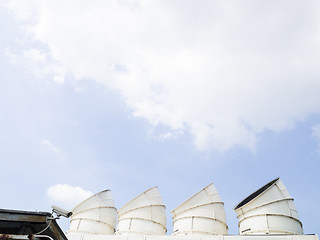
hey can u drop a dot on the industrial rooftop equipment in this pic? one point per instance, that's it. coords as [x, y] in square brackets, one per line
[267, 214]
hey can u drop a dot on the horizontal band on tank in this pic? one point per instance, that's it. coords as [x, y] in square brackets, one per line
[138, 208]
[200, 217]
[275, 215]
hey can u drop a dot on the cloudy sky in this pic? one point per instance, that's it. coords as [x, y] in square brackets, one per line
[130, 94]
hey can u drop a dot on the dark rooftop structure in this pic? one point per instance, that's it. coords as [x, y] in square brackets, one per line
[16, 224]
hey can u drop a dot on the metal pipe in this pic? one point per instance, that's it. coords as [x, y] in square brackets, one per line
[23, 237]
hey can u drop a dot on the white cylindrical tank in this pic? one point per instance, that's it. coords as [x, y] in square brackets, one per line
[269, 210]
[95, 215]
[202, 214]
[145, 214]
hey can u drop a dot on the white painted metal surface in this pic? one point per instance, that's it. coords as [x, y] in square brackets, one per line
[269, 210]
[95, 215]
[212, 237]
[145, 214]
[202, 214]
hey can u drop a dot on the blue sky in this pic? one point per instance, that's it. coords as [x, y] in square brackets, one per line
[126, 95]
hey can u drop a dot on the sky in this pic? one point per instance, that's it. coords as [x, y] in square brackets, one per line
[130, 94]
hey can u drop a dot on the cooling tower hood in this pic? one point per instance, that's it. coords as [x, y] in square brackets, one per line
[201, 214]
[95, 215]
[269, 210]
[145, 214]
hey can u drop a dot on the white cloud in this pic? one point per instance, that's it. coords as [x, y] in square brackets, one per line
[316, 134]
[38, 63]
[66, 195]
[224, 71]
[47, 143]
[79, 90]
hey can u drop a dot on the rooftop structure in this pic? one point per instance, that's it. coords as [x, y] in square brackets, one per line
[267, 214]
[29, 225]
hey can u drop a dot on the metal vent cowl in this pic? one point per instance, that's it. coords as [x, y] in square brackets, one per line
[202, 214]
[269, 210]
[143, 215]
[95, 215]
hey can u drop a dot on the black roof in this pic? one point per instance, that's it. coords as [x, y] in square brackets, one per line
[256, 194]
[18, 222]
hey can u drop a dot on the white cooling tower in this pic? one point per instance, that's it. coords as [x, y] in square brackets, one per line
[145, 214]
[202, 214]
[269, 210]
[95, 215]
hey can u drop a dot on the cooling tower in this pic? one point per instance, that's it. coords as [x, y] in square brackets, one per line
[95, 215]
[145, 214]
[269, 210]
[202, 214]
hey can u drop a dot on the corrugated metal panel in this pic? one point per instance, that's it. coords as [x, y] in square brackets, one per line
[213, 237]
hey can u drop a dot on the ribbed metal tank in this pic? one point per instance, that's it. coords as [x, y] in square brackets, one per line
[202, 214]
[95, 215]
[269, 210]
[145, 214]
